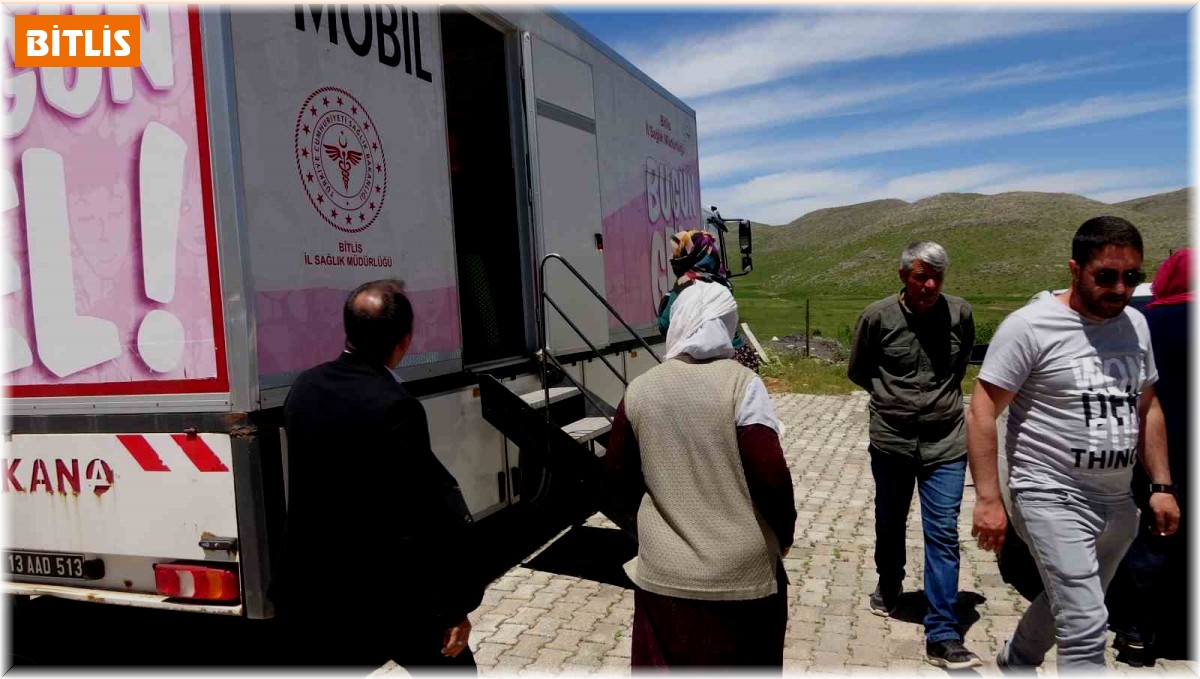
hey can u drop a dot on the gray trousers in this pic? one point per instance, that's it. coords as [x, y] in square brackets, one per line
[1078, 545]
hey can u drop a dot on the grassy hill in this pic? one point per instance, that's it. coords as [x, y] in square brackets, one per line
[1003, 248]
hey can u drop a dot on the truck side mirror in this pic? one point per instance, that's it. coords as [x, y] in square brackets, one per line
[744, 235]
[744, 245]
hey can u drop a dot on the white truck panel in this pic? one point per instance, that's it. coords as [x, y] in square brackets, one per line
[148, 495]
[570, 215]
[470, 448]
[378, 207]
[563, 80]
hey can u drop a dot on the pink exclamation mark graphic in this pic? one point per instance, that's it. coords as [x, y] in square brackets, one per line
[160, 337]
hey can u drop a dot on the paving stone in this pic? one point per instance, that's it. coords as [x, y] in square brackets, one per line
[547, 625]
[806, 613]
[539, 623]
[591, 654]
[582, 621]
[507, 662]
[798, 629]
[508, 607]
[828, 661]
[508, 633]
[549, 659]
[837, 623]
[544, 599]
[798, 650]
[624, 648]
[488, 623]
[528, 645]
[832, 642]
[567, 640]
[487, 653]
[565, 609]
[527, 615]
[604, 633]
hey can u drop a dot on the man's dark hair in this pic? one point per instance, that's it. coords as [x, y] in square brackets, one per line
[1099, 232]
[377, 316]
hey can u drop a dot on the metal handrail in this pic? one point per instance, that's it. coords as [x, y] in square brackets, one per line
[583, 390]
[586, 341]
[542, 331]
[595, 293]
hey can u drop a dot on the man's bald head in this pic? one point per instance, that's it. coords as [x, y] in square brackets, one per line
[377, 318]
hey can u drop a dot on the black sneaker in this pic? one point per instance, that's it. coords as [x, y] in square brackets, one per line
[950, 654]
[1131, 650]
[883, 601]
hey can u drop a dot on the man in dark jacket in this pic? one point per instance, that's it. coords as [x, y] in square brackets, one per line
[374, 549]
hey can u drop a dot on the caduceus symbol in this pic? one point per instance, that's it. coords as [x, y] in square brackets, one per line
[346, 159]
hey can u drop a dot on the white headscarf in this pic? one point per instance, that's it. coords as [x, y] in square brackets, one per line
[703, 321]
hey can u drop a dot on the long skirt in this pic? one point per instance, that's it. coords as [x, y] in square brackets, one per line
[674, 632]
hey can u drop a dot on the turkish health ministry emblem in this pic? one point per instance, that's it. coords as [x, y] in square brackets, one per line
[340, 159]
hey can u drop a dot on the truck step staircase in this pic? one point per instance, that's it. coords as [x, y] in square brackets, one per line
[558, 426]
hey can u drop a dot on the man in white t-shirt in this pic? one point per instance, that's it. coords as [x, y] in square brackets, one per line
[1077, 372]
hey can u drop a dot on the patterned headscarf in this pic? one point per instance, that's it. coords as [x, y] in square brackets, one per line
[1173, 282]
[696, 257]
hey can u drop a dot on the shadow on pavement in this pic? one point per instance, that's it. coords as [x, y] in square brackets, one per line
[47, 632]
[589, 552]
[911, 607]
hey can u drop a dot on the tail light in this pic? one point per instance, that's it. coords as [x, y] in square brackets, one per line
[182, 581]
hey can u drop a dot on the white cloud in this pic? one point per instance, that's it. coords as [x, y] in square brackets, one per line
[962, 179]
[769, 106]
[719, 116]
[763, 50]
[790, 185]
[1083, 182]
[774, 156]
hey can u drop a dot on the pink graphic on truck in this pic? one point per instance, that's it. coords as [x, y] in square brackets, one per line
[637, 239]
[112, 285]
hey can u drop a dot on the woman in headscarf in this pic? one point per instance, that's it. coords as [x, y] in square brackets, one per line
[695, 257]
[1148, 599]
[694, 468]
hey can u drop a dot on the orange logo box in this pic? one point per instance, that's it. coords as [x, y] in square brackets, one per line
[77, 40]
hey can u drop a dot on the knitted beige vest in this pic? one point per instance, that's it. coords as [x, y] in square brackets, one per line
[699, 536]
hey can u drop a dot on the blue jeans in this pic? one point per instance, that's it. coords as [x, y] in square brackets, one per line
[941, 489]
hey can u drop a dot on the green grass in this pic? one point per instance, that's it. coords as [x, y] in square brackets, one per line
[795, 374]
[1003, 249]
[1003, 246]
[780, 314]
[792, 373]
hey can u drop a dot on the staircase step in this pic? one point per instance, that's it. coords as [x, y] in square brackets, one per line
[537, 399]
[588, 428]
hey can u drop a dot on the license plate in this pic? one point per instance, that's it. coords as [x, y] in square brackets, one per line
[52, 565]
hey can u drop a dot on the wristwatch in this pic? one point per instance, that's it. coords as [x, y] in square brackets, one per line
[1163, 488]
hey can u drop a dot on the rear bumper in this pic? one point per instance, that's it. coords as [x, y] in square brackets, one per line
[118, 598]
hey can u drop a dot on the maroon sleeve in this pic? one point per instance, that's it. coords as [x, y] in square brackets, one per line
[623, 482]
[769, 480]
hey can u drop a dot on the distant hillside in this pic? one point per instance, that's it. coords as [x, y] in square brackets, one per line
[1011, 243]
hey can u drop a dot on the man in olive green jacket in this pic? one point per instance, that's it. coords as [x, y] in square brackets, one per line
[910, 352]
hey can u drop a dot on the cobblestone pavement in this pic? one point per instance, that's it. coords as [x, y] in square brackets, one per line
[534, 621]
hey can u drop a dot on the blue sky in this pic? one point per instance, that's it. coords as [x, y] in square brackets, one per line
[811, 107]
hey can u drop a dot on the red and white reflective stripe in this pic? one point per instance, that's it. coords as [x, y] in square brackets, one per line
[199, 453]
[194, 447]
[143, 452]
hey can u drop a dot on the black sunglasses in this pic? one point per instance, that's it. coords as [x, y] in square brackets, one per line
[1131, 277]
